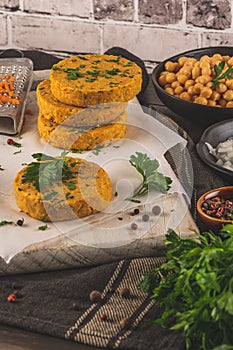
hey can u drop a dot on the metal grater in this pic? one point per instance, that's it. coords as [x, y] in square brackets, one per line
[11, 116]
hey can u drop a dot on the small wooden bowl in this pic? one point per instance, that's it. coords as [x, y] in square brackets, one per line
[210, 222]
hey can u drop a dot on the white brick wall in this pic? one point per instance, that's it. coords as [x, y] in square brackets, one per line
[53, 33]
[96, 25]
[80, 8]
[3, 31]
[149, 43]
[215, 39]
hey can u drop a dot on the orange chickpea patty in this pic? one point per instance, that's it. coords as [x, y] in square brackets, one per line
[88, 80]
[86, 192]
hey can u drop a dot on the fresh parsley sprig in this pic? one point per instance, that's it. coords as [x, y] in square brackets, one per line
[219, 75]
[5, 222]
[152, 179]
[46, 170]
[195, 288]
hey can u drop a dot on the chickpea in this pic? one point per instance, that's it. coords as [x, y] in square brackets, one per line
[186, 70]
[162, 80]
[222, 102]
[169, 90]
[189, 64]
[215, 62]
[226, 58]
[182, 60]
[205, 58]
[230, 61]
[206, 92]
[228, 95]
[170, 77]
[204, 64]
[215, 95]
[174, 84]
[229, 84]
[198, 87]
[189, 83]
[171, 66]
[209, 84]
[185, 96]
[203, 79]
[178, 90]
[217, 56]
[196, 71]
[182, 78]
[221, 88]
[211, 103]
[191, 90]
[206, 71]
[229, 104]
[201, 100]
[197, 64]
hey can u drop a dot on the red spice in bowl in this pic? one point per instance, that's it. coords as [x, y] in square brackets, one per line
[215, 208]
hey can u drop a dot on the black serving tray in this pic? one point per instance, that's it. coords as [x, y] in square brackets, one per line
[213, 135]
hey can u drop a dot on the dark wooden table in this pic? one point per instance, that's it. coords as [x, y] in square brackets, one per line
[16, 339]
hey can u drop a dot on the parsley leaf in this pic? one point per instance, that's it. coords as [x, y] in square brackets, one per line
[43, 228]
[151, 178]
[219, 75]
[73, 73]
[46, 170]
[5, 222]
[113, 71]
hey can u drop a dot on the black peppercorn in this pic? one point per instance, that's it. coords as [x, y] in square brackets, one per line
[134, 226]
[145, 217]
[20, 222]
[156, 210]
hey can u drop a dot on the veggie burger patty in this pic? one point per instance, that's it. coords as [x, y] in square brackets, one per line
[78, 188]
[88, 80]
[61, 113]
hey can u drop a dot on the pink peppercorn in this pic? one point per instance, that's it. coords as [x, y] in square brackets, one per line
[103, 317]
[10, 141]
[11, 297]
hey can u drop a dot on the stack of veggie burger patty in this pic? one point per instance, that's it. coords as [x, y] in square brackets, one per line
[84, 103]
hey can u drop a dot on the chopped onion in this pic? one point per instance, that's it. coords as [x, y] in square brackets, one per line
[224, 154]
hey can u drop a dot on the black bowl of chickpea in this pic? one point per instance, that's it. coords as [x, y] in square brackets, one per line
[197, 84]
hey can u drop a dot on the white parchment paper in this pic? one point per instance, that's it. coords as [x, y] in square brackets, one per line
[144, 134]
